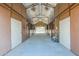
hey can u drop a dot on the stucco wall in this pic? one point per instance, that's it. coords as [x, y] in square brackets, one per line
[75, 30]
[5, 31]
[8, 11]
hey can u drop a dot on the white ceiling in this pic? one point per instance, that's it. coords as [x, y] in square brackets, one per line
[40, 12]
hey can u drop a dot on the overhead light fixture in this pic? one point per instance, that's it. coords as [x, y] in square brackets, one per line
[40, 15]
[46, 8]
[33, 8]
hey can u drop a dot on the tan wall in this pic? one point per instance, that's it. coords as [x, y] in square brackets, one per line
[5, 30]
[8, 11]
[75, 30]
[73, 12]
[63, 6]
[59, 15]
[74, 23]
[22, 18]
[60, 8]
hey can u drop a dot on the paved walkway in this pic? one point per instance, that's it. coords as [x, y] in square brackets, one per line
[40, 45]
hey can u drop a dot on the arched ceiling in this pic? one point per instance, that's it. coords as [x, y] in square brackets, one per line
[40, 12]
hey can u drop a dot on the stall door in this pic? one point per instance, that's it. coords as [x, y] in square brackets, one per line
[64, 34]
[16, 34]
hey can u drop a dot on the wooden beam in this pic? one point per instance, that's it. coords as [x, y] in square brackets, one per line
[32, 5]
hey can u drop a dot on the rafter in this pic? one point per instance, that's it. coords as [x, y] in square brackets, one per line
[32, 5]
[48, 5]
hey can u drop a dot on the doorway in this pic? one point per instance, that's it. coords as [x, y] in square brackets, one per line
[64, 32]
[39, 30]
[16, 32]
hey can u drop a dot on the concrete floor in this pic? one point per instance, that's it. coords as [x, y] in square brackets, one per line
[40, 45]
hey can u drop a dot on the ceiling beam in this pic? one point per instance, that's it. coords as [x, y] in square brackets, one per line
[48, 5]
[35, 4]
[32, 5]
[39, 18]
